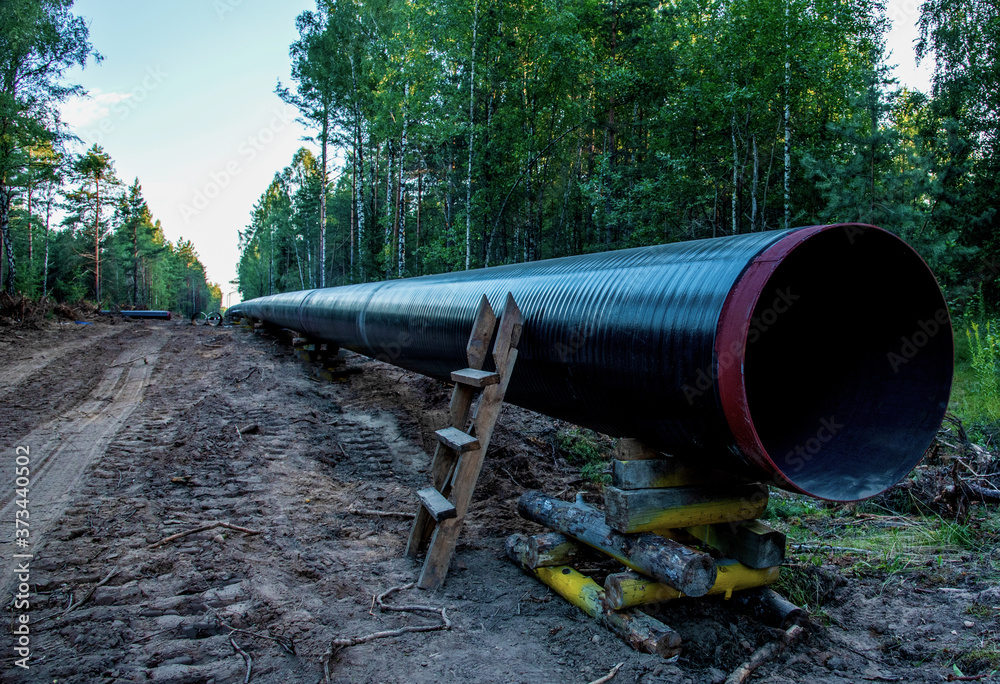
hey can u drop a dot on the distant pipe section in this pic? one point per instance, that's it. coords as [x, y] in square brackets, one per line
[162, 315]
[817, 359]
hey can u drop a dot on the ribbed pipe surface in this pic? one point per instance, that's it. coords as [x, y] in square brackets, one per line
[818, 359]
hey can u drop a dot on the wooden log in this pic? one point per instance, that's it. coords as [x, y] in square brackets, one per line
[771, 608]
[646, 510]
[690, 571]
[658, 472]
[544, 550]
[642, 632]
[751, 542]
[629, 449]
[626, 589]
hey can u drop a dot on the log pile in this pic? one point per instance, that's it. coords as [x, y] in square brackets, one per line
[679, 532]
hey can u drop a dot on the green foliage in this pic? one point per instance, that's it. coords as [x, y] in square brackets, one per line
[586, 449]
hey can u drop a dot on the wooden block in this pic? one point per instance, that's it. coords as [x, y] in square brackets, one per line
[648, 510]
[657, 472]
[751, 542]
[629, 449]
[456, 439]
[475, 378]
[438, 506]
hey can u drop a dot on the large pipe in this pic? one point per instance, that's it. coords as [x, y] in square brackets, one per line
[816, 359]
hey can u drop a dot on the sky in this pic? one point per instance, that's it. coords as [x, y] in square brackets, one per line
[184, 101]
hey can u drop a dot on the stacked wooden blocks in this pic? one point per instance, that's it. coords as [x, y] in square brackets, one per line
[680, 531]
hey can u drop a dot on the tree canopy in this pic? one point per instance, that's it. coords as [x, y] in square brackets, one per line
[479, 134]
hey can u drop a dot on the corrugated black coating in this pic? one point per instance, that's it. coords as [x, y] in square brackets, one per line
[609, 339]
[817, 359]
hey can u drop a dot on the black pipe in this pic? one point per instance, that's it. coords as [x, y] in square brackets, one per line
[163, 315]
[817, 359]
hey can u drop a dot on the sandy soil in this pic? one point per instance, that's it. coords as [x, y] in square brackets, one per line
[138, 431]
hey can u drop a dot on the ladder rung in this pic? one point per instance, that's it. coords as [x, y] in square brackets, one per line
[435, 503]
[475, 378]
[457, 440]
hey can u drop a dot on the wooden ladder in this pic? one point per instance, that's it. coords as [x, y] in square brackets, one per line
[461, 449]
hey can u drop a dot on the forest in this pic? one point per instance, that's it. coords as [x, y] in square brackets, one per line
[70, 229]
[460, 134]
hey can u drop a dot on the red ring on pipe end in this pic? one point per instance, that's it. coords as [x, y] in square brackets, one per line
[731, 343]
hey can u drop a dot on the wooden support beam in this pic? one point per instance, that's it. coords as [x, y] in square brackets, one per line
[642, 632]
[751, 542]
[544, 550]
[475, 378]
[630, 449]
[625, 589]
[658, 472]
[647, 510]
[435, 504]
[690, 571]
[453, 438]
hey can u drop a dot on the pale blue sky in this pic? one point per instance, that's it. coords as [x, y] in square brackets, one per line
[184, 100]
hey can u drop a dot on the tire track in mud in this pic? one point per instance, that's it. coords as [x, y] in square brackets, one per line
[62, 448]
[16, 373]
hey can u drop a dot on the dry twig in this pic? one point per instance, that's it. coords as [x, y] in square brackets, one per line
[203, 528]
[246, 658]
[381, 514]
[86, 597]
[337, 645]
[609, 676]
[764, 654]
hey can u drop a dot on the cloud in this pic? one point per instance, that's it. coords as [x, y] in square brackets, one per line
[80, 112]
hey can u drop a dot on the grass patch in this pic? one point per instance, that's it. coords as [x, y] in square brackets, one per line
[588, 450]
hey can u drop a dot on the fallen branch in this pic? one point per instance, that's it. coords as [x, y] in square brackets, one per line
[824, 548]
[764, 654]
[337, 645]
[967, 678]
[246, 657]
[609, 676]
[381, 514]
[286, 643]
[203, 528]
[247, 376]
[86, 597]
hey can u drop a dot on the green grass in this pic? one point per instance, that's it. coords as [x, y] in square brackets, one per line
[975, 391]
[588, 450]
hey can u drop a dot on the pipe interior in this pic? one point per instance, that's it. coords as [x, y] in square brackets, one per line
[849, 363]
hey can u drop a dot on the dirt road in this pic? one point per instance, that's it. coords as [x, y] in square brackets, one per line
[139, 431]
